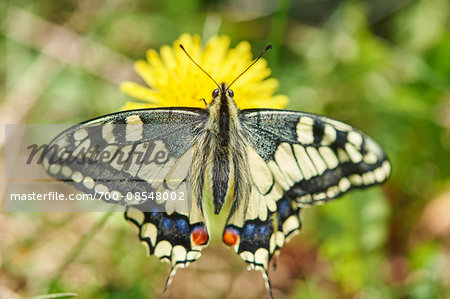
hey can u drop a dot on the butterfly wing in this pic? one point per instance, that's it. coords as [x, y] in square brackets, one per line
[296, 159]
[314, 158]
[142, 153]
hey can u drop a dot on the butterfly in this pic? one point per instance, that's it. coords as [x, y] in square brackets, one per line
[264, 165]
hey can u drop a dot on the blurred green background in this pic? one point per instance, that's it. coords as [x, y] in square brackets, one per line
[381, 66]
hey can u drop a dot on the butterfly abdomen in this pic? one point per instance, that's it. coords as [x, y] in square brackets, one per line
[220, 173]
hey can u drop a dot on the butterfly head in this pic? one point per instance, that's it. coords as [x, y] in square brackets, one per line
[223, 91]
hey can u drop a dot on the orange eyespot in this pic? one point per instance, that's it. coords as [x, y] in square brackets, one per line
[199, 236]
[230, 237]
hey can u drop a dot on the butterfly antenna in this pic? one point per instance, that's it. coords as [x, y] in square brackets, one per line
[262, 53]
[182, 48]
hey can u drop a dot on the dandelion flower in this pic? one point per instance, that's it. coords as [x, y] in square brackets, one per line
[174, 81]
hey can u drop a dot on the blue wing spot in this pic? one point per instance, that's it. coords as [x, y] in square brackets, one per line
[167, 223]
[283, 207]
[182, 225]
[155, 214]
[249, 231]
[262, 230]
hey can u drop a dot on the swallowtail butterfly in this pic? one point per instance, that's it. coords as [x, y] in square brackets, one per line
[267, 164]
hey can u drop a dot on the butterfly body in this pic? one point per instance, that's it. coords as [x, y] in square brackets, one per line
[224, 140]
[267, 163]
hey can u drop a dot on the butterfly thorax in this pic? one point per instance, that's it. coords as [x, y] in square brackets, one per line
[223, 116]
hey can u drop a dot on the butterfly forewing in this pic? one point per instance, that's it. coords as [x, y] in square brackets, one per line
[314, 158]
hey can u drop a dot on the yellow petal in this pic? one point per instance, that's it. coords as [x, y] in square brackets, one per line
[135, 106]
[173, 79]
[141, 93]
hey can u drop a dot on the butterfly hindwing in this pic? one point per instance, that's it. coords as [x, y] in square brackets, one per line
[259, 227]
[147, 153]
[171, 237]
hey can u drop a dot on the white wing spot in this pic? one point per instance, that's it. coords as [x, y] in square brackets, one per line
[272, 243]
[305, 130]
[111, 150]
[304, 162]
[163, 248]
[339, 125]
[54, 169]
[193, 255]
[108, 134]
[179, 254]
[319, 197]
[306, 199]
[77, 177]
[134, 128]
[317, 159]
[332, 191]
[290, 224]
[342, 155]
[329, 135]
[354, 154]
[121, 157]
[287, 162]
[247, 256]
[261, 174]
[88, 182]
[387, 168]
[279, 239]
[280, 178]
[101, 188]
[355, 138]
[370, 158]
[80, 134]
[356, 179]
[368, 178]
[276, 193]
[66, 171]
[137, 216]
[262, 257]
[379, 174]
[270, 203]
[344, 184]
[329, 157]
